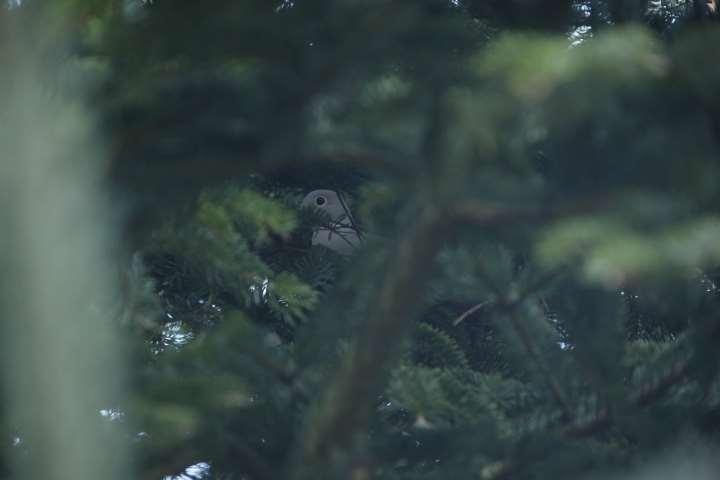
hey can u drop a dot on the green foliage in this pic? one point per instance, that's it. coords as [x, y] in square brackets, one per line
[537, 291]
[614, 254]
[436, 349]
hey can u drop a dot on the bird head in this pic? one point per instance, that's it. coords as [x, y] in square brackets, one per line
[342, 235]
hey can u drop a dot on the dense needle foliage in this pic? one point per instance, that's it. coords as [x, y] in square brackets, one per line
[538, 186]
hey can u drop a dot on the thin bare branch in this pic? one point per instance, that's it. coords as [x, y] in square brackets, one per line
[471, 311]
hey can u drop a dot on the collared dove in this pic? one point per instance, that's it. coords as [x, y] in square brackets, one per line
[341, 234]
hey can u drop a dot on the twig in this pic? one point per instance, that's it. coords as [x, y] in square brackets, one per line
[471, 311]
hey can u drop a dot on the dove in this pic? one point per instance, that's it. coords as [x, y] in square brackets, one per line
[341, 234]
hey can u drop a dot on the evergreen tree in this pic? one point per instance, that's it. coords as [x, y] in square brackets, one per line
[536, 295]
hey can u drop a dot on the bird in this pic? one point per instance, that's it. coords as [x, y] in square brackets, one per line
[341, 234]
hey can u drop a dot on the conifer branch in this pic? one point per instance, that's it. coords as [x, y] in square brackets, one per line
[346, 407]
[510, 305]
[471, 311]
[360, 159]
[642, 396]
[653, 389]
[553, 384]
[178, 461]
[531, 289]
[489, 215]
[283, 375]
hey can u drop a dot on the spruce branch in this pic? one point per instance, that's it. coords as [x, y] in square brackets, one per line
[481, 214]
[178, 460]
[509, 303]
[357, 158]
[655, 388]
[284, 375]
[641, 396]
[553, 383]
[344, 412]
[506, 300]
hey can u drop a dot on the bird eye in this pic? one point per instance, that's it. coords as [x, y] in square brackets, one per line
[320, 201]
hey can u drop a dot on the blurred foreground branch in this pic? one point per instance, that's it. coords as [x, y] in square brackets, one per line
[62, 357]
